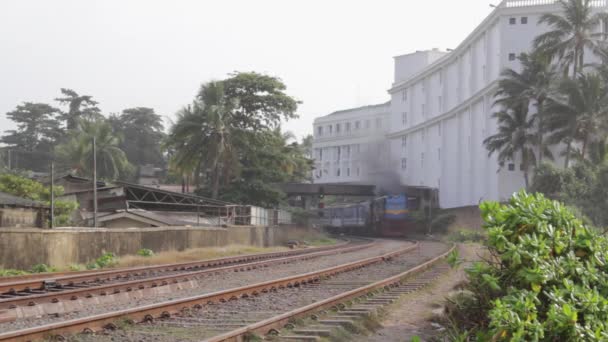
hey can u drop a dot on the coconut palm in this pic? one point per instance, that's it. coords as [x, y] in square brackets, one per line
[77, 151]
[532, 85]
[571, 33]
[580, 113]
[516, 137]
[202, 137]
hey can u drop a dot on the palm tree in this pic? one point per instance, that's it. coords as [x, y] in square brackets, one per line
[79, 106]
[572, 33]
[534, 84]
[202, 137]
[580, 113]
[77, 151]
[516, 136]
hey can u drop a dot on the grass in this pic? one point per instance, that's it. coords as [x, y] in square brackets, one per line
[194, 254]
[321, 241]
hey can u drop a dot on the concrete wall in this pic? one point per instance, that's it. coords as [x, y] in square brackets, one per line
[19, 217]
[25, 247]
[466, 217]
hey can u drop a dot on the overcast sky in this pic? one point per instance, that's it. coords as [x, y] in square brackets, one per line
[332, 54]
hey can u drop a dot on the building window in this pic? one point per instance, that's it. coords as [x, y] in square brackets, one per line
[404, 118]
[378, 122]
[512, 56]
[339, 153]
[511, 167]
[348, 172]
[358, 171]
[320, 130]
[422, 159]
[367, 124]
[331, 128]
[439, 154]
[338, 172]
[357, 125]
[440, 103]
[423, 110]
[348, 127]
[423, 85]
[338, 128]
[404, 95]
[439, 129]
[403, 163]
[512, 21]
[524, 20]
[404, 142]
[348, 152]
[422, 135]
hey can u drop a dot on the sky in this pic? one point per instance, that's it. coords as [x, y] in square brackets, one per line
[331, 54]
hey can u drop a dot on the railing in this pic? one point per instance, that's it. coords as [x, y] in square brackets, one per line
[525, 3]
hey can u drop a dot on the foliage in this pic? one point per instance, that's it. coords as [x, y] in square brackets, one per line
[106, 260]
[80, 107]
[467, 235]
[24, 187]
[8, 272]
[145, 252]
[142, 132]
[546, 279]
[42, 268]
[77, 151]
[583, 186]
[38, 130]
[230, 143]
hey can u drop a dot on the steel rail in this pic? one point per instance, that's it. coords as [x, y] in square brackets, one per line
[273, 324]
[165, 309]
[39, 283]
[140, 284]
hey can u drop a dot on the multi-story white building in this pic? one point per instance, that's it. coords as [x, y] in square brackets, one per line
[442, 103]
[350, 146]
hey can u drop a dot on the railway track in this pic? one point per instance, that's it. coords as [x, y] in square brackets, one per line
[73, 292]
[306, 286]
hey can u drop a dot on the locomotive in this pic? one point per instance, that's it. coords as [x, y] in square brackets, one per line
[387, 216]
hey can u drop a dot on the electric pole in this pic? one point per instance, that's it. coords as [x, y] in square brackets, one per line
[52, 195]
[94, 183]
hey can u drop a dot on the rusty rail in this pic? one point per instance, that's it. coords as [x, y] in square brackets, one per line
[275, 323]
[164, 310]
[140, 284]
[8, 287]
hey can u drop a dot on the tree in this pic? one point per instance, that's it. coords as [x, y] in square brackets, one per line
[572, 33]
[516, 136]
[142, 132]
[79, 106]
[38, 130]
[580, 113]
[534, 84]
[202, 137]
[260, 100]
[77, 151]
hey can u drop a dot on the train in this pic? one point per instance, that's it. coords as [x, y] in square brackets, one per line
[386, 216]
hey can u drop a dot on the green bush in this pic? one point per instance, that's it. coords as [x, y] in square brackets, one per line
[106, 260]
[547, 278]
[145, 252]
[42, 268]
[11, 272]
[467, 235]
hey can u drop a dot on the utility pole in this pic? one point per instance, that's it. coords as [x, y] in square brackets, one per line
[9, 159]
[94, 183]
[52, 195]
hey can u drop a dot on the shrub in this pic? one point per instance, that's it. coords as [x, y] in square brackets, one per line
[467, 235]
[106, 260]
[42, 268]
[547, 279]
[145, 252]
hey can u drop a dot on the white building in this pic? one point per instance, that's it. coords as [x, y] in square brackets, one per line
[442, 103]
[350, 146]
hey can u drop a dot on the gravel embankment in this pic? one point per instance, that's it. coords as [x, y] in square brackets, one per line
[217, 282]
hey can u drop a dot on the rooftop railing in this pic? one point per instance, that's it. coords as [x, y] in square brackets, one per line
[526, 3]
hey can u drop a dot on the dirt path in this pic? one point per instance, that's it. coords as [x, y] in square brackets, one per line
[410, 316]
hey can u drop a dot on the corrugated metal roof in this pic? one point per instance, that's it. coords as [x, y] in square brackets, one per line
[8, 199]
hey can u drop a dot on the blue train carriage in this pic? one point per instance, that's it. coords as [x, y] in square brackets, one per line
[397, 216]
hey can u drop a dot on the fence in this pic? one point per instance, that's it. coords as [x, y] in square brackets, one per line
[525, 3]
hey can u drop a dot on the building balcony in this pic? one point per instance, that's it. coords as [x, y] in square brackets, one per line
[528, 3]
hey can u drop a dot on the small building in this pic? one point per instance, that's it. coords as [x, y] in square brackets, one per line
[71, 183]
[22, 212]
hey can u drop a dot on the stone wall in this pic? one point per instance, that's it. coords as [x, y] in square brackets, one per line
[19, 217]
[21, 248]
